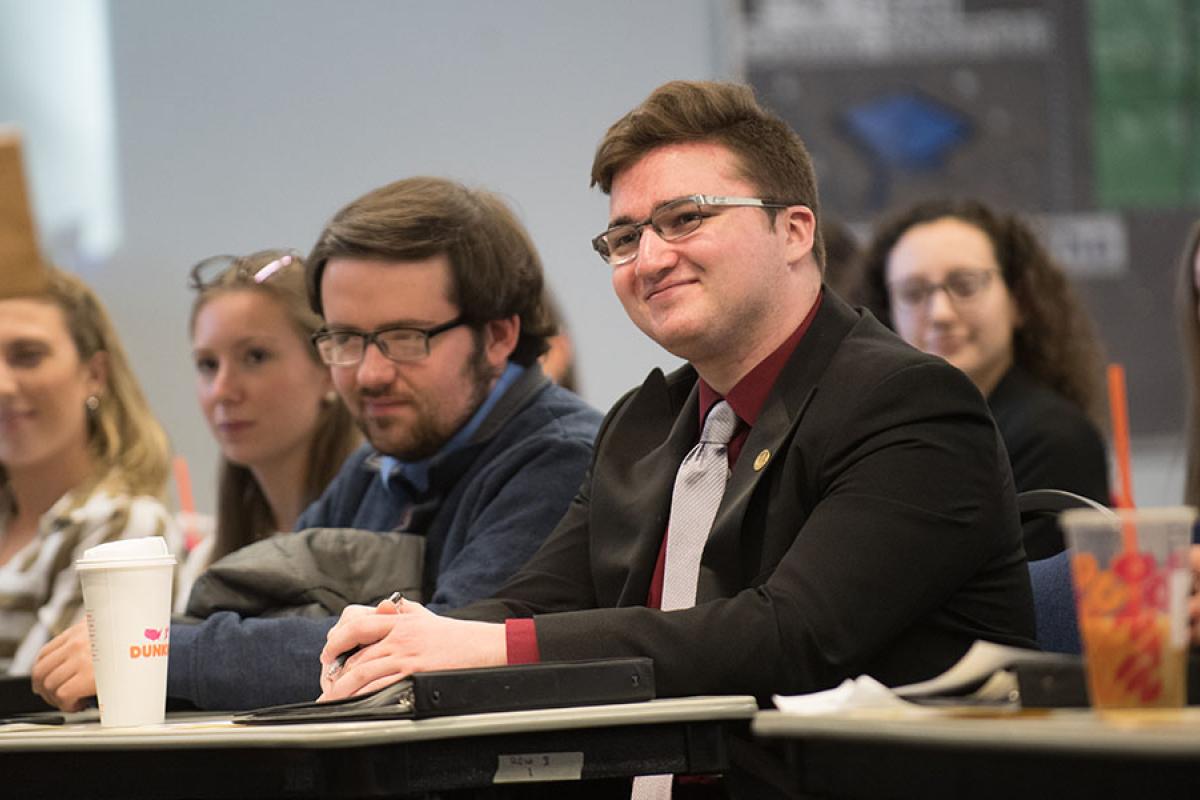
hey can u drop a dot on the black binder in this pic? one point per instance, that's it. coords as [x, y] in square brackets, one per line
[553, 684]
[17, 697]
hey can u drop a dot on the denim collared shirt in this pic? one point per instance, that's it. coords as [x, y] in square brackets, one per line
[398, 476]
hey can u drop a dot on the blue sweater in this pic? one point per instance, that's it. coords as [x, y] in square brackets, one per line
[487, 508]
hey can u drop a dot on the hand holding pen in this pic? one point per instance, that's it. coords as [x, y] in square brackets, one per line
[393, 600]
[399, 640]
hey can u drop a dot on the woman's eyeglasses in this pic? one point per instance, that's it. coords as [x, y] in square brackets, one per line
[961, 285]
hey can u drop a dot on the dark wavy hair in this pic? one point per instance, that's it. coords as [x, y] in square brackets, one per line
[1056, 340]
[1187, 305]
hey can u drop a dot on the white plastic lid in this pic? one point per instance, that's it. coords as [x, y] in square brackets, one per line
[148, 550]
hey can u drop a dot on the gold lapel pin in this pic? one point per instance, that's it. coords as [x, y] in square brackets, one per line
[761, 460]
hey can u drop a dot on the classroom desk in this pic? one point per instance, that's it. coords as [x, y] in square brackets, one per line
[976, 754]
[197, 755]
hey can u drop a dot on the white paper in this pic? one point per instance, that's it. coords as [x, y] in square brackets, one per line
[979, 663]
[982, 664]
[533, 767]
[861, 692]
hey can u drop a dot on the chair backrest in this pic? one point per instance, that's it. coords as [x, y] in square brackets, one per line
[1037, 502]
[1039, 520]
[1053, 595]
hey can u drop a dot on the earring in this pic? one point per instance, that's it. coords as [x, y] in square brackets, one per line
[92, 403]
[331, 397]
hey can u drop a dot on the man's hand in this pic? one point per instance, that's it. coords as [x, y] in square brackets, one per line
[397, 640]
[62, 674]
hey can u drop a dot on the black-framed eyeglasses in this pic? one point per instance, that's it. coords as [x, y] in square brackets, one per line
[400, 343]
[961, 285]
[210, 271]
[671, 221]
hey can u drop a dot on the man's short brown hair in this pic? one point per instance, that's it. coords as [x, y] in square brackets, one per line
[495, 270]
[770, 154]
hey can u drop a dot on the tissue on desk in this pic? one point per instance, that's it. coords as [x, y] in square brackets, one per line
[984, 671]
[854, 693]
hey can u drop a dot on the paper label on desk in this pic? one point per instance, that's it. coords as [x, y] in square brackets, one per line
[527, 767]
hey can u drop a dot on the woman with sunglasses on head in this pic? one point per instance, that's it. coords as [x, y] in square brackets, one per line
[282, 430]
[973, 285]
[82, 459]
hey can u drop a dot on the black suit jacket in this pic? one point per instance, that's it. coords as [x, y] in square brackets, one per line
[1051, 445]
[880, 536]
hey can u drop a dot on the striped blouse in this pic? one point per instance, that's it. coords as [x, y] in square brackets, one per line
[40, 595]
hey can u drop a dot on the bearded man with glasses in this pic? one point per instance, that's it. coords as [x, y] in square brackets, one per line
[864, 517]
[435, 317]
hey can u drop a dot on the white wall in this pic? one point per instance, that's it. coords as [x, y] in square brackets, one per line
[243, 125]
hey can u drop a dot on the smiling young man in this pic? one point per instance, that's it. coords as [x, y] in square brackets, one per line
[866, 519]
[433, 300]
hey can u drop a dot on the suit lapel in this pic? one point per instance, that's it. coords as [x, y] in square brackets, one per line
[660, 426]
[769, 439]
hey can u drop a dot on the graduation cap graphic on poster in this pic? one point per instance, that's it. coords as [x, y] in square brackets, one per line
[21, 265]
[904, 132]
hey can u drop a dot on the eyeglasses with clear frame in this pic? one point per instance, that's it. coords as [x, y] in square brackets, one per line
[961, 285]
[400, 343]
[672, 221]
[210, 271]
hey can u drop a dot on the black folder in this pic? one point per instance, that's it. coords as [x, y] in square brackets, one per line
[554, 684]
[17, 697]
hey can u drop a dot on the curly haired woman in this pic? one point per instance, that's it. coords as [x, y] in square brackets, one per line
[960, 280]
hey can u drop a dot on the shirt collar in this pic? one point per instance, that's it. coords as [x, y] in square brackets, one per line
[749, 394]
[416, 473]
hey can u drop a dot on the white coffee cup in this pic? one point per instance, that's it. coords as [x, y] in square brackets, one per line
[127, 596]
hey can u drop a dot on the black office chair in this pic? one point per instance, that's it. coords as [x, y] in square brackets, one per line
[1053, 596]
[1038, 502]
[1040, 508]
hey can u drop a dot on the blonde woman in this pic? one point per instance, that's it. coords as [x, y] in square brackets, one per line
[82, 459]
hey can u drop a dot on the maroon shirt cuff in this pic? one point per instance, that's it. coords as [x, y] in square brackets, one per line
[520, 635]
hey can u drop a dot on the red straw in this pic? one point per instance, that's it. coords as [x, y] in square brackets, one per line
[183, 488]
[1118, 406]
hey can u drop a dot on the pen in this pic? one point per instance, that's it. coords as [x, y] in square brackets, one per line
[340, 661]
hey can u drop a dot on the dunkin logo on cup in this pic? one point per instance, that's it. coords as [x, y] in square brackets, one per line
[155, 646]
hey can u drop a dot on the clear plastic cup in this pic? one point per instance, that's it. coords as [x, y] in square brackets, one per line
[127, 597]
[1132, 579]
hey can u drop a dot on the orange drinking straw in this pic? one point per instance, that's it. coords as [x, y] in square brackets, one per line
[187, 505]
[1118, 406]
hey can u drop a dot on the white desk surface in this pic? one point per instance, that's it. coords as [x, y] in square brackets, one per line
[199, 730]
[1158, 733]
